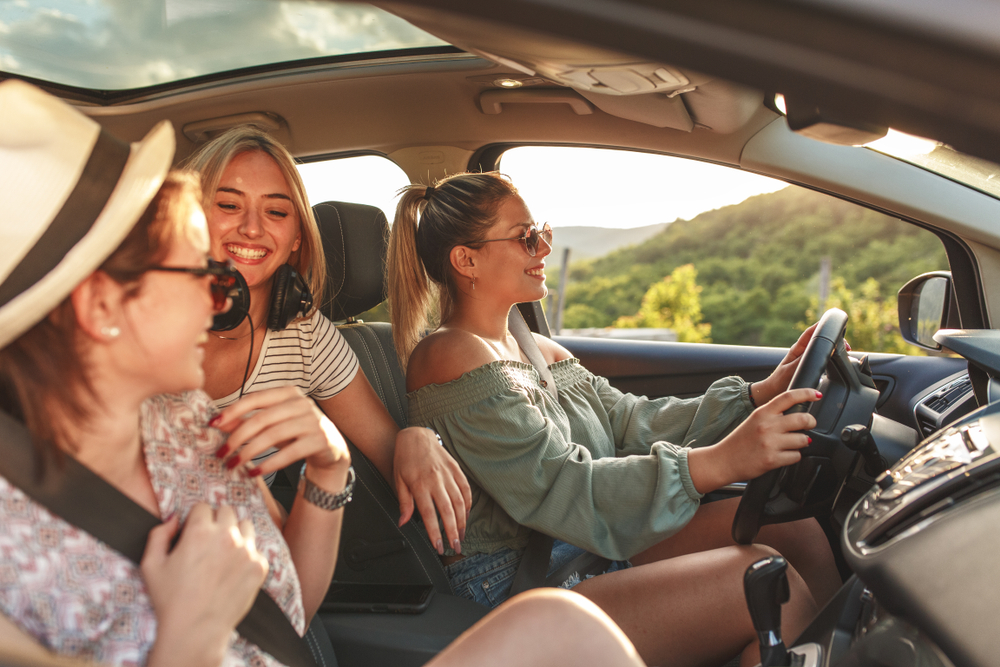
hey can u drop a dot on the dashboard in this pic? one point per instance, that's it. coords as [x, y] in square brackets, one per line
[924, 544]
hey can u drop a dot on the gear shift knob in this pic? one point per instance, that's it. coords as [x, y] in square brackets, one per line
[766, 587]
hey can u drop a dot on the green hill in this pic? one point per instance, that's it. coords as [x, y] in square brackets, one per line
[757, 263]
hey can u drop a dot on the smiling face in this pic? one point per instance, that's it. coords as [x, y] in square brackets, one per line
[504, 267]
[253, 220]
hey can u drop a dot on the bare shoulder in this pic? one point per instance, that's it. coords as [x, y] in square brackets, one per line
[551, 350]
[446, 355]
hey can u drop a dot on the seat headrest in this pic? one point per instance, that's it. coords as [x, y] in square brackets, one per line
[355, 240]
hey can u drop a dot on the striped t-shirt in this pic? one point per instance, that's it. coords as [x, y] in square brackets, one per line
[310, 354]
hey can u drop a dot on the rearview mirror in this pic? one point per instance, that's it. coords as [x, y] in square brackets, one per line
[926, 305]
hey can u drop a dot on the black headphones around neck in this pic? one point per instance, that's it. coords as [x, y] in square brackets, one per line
[289, 297]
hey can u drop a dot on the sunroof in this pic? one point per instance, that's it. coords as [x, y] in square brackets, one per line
[114, 45]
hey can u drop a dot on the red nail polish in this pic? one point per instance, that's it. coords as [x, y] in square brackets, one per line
[221, 452]
[215, 421]
[233, 462]
[810, 440]
[819, 395]
[254, 472]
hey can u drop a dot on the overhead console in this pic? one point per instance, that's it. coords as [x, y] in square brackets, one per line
[655, 94]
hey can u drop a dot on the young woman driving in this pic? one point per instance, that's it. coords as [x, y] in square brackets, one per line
[259, 219]
[104, 307]
[601, 471]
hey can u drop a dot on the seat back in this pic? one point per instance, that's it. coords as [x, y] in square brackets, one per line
[373, 547]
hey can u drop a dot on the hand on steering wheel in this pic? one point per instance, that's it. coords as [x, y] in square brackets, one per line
[784, 493]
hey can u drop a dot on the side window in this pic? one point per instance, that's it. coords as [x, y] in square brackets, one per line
[667, 248]
[363, 179]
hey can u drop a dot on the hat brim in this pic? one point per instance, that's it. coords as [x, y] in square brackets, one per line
[147, 166]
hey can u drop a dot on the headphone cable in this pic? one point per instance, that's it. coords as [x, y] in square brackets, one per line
[246, 372]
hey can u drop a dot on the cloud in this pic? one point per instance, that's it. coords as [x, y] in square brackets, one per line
[119, 44]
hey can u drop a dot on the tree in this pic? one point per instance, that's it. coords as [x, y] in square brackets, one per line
[673, 303]
[873, 324]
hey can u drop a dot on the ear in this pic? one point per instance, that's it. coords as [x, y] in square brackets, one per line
[298, 242]
[97, 304]
[463, 260]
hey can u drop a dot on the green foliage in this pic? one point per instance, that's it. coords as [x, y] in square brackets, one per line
[758, 266]
[873, 319]
[582, 316]
[672, 303]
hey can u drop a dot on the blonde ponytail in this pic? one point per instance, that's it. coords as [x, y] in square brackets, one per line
[430, 221]
[409, 288]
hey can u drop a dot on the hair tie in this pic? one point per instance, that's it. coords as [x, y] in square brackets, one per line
[428, 192]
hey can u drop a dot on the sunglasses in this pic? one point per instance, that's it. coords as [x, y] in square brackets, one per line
[223, 279]
[530, 239]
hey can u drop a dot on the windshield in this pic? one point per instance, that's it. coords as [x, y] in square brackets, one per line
[115, 45]
[941, 159]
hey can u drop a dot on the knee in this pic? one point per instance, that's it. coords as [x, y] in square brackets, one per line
[548, 603]
[559, 612]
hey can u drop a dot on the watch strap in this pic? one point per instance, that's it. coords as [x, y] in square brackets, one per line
[322, 498]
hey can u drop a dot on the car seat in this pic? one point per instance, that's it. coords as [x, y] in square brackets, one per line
[374, 549]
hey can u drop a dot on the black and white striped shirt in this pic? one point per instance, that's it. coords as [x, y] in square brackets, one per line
[310, 354]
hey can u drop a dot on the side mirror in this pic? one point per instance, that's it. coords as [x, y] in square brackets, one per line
[926, 304]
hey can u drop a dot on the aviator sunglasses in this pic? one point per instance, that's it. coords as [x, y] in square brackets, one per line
[530, 238]
[223, 279]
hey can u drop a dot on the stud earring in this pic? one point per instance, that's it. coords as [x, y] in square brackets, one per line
[110, 332]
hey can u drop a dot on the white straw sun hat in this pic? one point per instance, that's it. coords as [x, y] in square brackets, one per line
[75, 192]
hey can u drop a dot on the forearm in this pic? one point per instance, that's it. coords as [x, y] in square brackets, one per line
[194, 645]
[638, 421]
[313, 537]
[362, 419]
[708, 469]
[19, 647]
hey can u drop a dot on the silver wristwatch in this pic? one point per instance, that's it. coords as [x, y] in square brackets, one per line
[324, 499]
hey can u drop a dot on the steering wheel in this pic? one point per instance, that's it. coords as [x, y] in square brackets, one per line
[809, 487]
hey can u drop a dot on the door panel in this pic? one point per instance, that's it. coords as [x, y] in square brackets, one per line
[687, 369]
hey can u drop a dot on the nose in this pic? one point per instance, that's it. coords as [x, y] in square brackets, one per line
[543, 247]
[251, 226]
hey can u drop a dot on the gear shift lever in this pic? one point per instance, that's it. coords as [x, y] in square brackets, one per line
[766, 588]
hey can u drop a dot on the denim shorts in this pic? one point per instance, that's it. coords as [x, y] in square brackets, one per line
[487, 578]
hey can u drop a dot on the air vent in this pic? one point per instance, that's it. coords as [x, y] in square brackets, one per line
[943, 406]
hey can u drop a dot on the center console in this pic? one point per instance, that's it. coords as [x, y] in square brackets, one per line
[924, 544]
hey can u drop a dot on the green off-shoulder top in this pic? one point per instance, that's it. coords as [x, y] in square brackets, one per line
[597, 468]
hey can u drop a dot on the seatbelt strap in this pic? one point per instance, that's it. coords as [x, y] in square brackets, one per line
[534, 565]
[522, 334]
[82, 498]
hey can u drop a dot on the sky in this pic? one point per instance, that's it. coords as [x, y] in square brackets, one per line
[119, 44]
[567, 186]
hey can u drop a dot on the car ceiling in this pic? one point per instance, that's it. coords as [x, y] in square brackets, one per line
[865, 70]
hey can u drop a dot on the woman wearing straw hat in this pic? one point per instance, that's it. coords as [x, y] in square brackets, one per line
[105, 297]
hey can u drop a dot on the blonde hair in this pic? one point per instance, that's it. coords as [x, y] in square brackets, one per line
[213, 158]
[430, 221]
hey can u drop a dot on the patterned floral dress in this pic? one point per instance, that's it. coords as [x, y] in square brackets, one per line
[80, 598]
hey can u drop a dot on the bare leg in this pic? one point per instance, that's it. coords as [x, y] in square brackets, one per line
[802, 543]
[691, 610]
[542, 627]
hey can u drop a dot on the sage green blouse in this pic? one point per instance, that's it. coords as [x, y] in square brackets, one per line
[600, 469]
